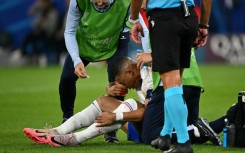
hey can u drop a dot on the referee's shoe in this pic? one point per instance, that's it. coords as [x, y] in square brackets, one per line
[207, 132]
[162, 143]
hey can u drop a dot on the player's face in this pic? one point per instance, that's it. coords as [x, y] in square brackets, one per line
[100, 4]
[130, 79]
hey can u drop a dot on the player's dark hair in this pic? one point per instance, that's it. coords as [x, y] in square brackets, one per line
[119, 65]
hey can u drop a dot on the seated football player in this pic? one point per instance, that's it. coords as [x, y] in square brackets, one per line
[93, 117]
[107, 114]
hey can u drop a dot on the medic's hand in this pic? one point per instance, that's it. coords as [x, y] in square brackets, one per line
[143, 58]
[80, 71]
[135, 30]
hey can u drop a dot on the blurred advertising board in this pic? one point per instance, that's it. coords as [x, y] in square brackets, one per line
[226, 48]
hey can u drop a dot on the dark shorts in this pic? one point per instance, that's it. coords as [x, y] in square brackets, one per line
[171, 36]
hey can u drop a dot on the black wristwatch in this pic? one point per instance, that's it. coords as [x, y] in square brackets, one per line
[203, 26]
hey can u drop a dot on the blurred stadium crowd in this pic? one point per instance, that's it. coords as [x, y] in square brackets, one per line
[31, 32]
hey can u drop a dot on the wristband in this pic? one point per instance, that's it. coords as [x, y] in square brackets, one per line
[203, 26]
[119, 116]
[133, 21]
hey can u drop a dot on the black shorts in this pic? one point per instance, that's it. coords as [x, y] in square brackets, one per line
[171, 36]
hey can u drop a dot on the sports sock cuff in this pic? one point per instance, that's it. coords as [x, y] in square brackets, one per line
[131, 103]
[95, 103]
[126, 106]
[173, 91]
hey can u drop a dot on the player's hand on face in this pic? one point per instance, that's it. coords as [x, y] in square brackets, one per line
[135, 30]
[143, 58]
[117, 89]
[80, 71]
[105, 118]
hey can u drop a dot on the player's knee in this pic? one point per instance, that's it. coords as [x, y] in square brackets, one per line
[104, 100]
[101, 99]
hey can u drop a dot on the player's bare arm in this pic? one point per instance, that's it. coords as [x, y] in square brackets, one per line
[203, 25]
[136, 27]
[107, 118]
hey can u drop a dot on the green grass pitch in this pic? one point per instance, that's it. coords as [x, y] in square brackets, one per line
[29, 98]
